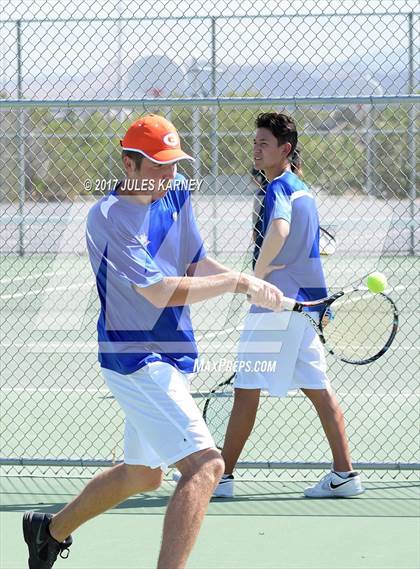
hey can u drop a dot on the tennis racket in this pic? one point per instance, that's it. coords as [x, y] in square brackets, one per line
[327, 242]
[354, 325]
[218, 408]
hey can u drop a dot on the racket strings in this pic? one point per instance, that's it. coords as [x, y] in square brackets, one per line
[217, 412]
[361, 326]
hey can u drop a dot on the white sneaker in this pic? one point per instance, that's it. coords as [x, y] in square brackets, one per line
[176, 475]
[223, 490]
[335, 486]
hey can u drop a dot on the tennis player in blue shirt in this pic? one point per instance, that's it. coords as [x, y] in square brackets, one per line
[290, 259]
[150, 263]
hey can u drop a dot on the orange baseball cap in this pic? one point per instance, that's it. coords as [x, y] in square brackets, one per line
[156, 138]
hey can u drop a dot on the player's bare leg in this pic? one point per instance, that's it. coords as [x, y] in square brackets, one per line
[332, 419]
[241, 423]
[106, 490]
[200, 474]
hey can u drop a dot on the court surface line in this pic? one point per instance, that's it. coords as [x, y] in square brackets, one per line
[197, 393]
[45, 290]
[39, 275]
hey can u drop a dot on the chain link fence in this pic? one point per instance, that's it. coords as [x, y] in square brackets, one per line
[73, 79]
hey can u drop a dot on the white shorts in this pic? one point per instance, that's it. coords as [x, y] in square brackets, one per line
[280, 352]
[162, 422]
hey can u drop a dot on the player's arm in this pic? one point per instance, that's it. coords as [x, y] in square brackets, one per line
[272, 245]
[179, 291]
[206, 267]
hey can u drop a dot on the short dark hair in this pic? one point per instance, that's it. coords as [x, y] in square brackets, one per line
[135, 156]
[281, 126]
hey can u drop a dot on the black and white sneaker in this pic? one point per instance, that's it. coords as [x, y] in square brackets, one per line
[43, 549]
[335, 486]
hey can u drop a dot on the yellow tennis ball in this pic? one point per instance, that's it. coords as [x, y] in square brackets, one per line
[376, 282]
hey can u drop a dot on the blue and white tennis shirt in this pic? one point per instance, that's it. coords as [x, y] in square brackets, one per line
[133, 244]
[287, 197]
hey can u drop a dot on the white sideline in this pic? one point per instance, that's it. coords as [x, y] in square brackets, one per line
[31, 277]
[102, 391]
[45, 290]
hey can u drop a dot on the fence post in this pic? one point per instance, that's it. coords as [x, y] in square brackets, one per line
[411, 147]
[213, 135]
[21, 141]
[194, 70]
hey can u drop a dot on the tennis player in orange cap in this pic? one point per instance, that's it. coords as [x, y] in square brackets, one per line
[150, 262]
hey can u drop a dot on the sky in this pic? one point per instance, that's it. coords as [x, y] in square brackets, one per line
[299, 34]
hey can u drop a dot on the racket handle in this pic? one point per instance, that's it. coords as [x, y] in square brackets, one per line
[288, 303]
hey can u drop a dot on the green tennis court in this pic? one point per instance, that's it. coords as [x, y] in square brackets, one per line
[54, 403]
[267, 525]
[59, 425]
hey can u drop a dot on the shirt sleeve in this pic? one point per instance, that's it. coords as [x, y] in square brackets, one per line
[194, 245]
[129, 260]
[281, 203]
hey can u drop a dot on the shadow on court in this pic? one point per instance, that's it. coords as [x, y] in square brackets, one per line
[264, 526]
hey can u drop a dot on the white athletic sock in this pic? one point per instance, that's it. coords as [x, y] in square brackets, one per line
[344, 474]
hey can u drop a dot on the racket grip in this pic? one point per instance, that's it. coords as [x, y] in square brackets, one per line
[288, 303]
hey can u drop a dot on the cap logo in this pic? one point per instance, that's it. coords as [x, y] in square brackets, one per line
[171, 139]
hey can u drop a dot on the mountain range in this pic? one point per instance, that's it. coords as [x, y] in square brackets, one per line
[158, 75]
